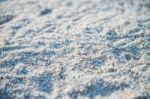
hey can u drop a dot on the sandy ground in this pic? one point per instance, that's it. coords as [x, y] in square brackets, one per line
[74, 49]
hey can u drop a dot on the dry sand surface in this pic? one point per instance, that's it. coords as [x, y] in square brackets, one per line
[74, 49]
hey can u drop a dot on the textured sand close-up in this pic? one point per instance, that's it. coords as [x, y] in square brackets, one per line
[74, 49]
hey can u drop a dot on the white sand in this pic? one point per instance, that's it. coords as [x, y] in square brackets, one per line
[74, 49]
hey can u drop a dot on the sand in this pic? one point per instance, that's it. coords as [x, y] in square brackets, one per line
[74, 49]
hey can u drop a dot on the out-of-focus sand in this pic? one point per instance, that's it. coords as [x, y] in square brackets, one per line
[74, 49]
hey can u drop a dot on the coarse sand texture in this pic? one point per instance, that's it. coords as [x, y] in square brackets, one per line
[74, 49]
